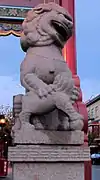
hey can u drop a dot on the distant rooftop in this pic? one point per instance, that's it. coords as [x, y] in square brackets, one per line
[91, 101]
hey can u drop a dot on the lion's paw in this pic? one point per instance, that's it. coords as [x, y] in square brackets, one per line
[25, 126]
[63, 127]
[66, 125]
[76, 125]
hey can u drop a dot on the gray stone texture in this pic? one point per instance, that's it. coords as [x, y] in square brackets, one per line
[47, 134]
[48, 153]
[50, 90]
[58, 158]
[50, 171]
[48, 137]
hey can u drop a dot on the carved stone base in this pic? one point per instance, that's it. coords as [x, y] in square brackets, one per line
[48, 137]
[48, 171]
[50, 158]
[52, 162]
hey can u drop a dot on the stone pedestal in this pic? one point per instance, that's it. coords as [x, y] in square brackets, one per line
[49, 155]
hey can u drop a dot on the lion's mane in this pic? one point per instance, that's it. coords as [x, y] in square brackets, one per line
[37, 30]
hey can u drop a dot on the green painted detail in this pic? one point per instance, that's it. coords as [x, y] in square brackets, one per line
[13, 13]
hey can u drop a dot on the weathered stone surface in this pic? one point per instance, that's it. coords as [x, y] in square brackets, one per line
[48, 137]
[44, 74]
[48, 171]
[41, 152]
[48, 153]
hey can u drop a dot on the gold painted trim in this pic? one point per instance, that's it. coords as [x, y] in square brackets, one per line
[18, 34]
[64, 53]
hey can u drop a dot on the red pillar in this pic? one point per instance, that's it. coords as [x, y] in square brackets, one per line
[87, 170]
[70, 47]
[70, 55]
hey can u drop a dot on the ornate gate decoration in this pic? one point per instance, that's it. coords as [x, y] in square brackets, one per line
[11, 17]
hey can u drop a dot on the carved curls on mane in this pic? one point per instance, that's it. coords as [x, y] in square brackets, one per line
[37, 28]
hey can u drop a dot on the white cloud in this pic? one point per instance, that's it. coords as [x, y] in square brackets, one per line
[90, 88]
[9, 87]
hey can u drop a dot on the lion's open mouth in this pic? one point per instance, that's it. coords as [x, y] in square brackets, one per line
[61, 29]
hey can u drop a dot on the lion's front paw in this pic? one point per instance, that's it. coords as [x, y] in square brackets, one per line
[66, 125]
[44, 91]
[27, 127]
[17, 125]
[37, 124]
[76, 125]
[63, 126]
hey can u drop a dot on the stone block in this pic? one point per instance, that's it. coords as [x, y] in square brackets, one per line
[48, 137]
[50, 171]
[48, 153]
[48, 162]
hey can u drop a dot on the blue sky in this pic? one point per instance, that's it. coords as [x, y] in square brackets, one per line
[88, 54]
[88, 46]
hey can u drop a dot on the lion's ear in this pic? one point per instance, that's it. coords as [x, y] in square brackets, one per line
[38, 10]
[42, 8]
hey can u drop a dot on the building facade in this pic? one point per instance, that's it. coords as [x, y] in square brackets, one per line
[93, 108]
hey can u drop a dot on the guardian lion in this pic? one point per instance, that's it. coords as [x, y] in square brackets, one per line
[50, 90]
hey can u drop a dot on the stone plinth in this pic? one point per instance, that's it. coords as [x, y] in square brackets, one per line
[48, 137]
[50, 171]
[50, 158]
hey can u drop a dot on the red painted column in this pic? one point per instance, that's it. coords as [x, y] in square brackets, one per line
[70, 47]
[70, 55]
[87, 170]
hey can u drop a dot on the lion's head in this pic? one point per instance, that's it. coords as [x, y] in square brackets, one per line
[46, 24]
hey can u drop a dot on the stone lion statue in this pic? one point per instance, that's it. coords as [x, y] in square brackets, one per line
[50, 90]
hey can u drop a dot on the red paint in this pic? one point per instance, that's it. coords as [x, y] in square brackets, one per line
[87, 170]
[85, 140]
[79, 105]
[71, 45]
[71, 61]
[3, 160]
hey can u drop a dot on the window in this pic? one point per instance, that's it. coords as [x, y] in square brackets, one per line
[92, 113]
[88, 114]
[96, 112]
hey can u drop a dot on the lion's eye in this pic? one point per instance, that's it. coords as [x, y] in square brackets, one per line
[67, 17]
